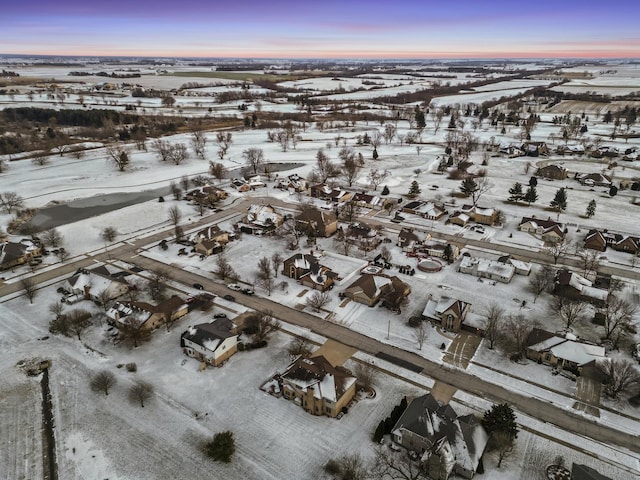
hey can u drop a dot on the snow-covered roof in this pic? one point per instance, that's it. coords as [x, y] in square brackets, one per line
[578, 353]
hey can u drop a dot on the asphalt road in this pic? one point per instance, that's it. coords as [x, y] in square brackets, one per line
[540, 409]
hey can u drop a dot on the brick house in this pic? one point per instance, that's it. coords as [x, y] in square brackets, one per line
[309, 272]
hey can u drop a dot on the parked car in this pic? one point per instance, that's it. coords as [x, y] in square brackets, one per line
[229, 298]
[247, 291]
[220, 315]
[234, 286]
[198, 286]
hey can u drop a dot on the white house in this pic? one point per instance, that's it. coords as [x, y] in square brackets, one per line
[211, 343]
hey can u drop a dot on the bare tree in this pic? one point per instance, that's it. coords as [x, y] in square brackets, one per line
[570, 310]
[541, 280]
[503, 444]
[366, 375]
[325, 168]
[389, 132]
[438, 115]
[299, 347]
[56, 308]
[376, 177]
[217, 170]
[78, 321]
[52, 238]
[132, 329]
[348, 467]
[267, 324]
[200, 204]
[162, 149]
[620, 376]
[174, 217]
[254, 158]
[156, 283]
[517, 330]
[41, 158]
[385, 254]
[62, 254]
[103, 381]
[140, 392]
[198, 141]
[119, 155]
[225, 271]
[185, 182]
[589, 259]
[276, 260]
[420, 334]
[617, 314]
[317, 300]
[350, 211]
[134, 289]
[108, 234]
[351, 166]
[178, 153]
[224, 140]
[265, 276]
[493, 325]
[104, 297]
[29, 287]
[396, 465]
[11, 201]
[558, 249]
[290, 229]
[483, 186]
[175, 190]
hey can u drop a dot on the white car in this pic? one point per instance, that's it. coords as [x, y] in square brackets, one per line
[234, 286]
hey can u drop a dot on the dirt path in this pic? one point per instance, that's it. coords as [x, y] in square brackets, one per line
[50, 465]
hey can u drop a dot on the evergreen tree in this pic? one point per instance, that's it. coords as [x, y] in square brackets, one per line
[533, 182]
[420, 122]
[414, 189]
[515, 193]
[452, 122]
[531, 195]
[448, 253]
[222, 447]
[375, 153]
[591, 209]
[613, 191]
[500, 418]
[468, 186]
[559, 202]
[385, 191]
[379, 433]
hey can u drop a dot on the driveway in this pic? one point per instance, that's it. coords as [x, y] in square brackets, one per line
[462, 349]
[588, 392]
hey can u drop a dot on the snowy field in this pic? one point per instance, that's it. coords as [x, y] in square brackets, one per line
[275, 438]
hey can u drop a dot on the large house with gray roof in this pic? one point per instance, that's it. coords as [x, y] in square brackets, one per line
[211, 343]
[448, 445]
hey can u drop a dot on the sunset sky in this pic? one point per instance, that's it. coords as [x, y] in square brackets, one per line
[329, 28]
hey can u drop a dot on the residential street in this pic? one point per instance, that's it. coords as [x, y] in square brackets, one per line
[449, 374]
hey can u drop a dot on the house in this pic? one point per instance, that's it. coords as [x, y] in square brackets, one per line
[261, 219]
[408, 240]
[446, 443]
[601, 239]
[511, 150]
[366, 200]
[549, 230]
[368, 289]
[293, 183]
[211, 343]
[308, 271]
[485, 216]
[212, 233]
[485, 268]
[428, 210]
[459, 218]
[553, 172]
[207, 193]
[535, 149]
[362, 235]
[208, 247]
[13, 254]
[147, 317]
[564, 352]
[571, 285]
[520, 267]
[438, 248]
[582, 472]
[97, 284]
[318, 223]
[595, 240]
[317, 386]
[241, 185]
[593, 179]
[450, 313]
[576, 149]
[335, 195]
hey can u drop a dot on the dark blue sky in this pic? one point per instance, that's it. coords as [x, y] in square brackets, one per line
[330, 28]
